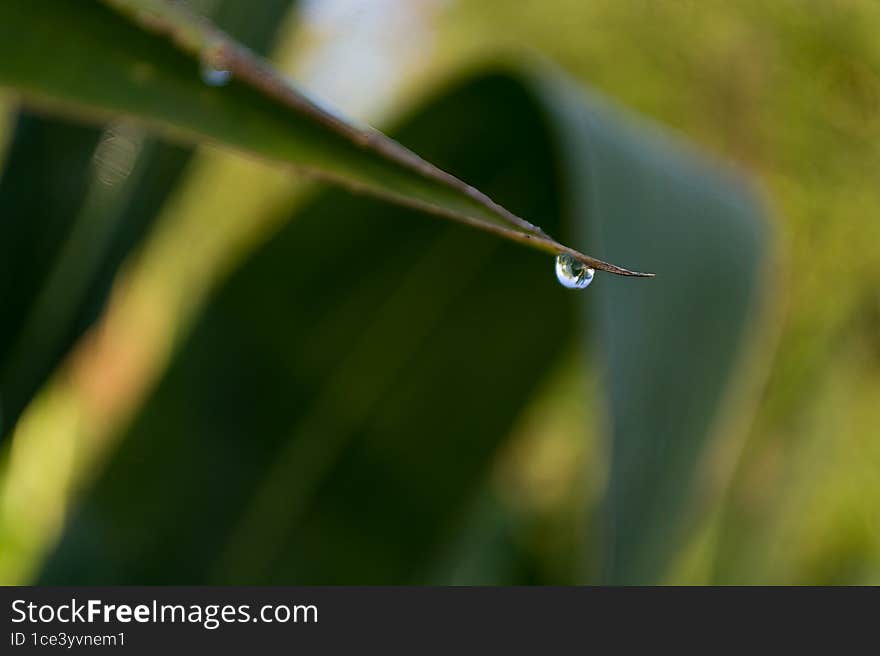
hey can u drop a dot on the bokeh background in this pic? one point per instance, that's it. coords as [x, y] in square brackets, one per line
[789, 92]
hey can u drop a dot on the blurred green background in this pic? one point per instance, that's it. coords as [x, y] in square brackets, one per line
[787, 91]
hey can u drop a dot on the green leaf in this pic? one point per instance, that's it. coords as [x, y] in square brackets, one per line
[333, 414]
[669, 351]
[82, 230]
[34, 226]
[142, 59]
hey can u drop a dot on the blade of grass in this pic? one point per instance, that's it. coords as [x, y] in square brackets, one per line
[142, 59]
[60, 251]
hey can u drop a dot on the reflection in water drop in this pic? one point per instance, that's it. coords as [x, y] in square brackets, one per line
[571, 273]
[115, 155]
[213, 72]
[214, 77]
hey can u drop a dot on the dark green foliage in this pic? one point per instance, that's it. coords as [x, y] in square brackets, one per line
[34, 226]
[43, 192]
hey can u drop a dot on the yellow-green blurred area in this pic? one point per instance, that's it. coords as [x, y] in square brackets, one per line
[788, 91]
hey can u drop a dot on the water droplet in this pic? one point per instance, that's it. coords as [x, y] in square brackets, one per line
[213, 72]
[214, 77]
[115, 155]
[573, 273]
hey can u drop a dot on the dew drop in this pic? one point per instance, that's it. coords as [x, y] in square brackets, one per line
[214, 77]
[213, 73]
[571, 273]
[115, 156]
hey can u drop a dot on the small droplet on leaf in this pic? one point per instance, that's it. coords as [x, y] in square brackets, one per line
[115, 156]
[213, 72]
[572, 273]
